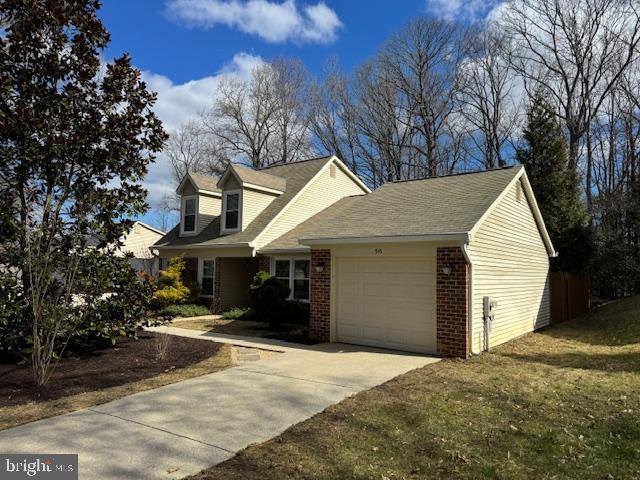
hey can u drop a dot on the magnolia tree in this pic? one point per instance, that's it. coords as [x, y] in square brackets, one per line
[76, 139]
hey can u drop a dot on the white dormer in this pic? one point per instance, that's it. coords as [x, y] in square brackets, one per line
[200, 203]
[245, 194]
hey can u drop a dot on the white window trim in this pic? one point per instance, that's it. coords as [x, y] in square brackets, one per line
[201, 261]
[223, 223]
[182, 213]
[291, 272]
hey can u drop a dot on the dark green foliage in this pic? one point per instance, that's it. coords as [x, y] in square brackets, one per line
[14, 333]
[183, 310]
[268, 297]
[76, 141]
[557, 188]
[616, 265]
[296, 312]
[117, 299]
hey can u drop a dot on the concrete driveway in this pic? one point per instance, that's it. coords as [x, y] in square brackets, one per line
[180, 429]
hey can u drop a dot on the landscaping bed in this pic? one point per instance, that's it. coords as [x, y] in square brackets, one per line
[561, 403]
[132, 365]
[288, 332]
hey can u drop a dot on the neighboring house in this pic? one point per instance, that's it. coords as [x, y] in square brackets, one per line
[404, 267]
[138, 242]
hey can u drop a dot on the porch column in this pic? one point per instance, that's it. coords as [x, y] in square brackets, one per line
[320, 296]
[452, 303]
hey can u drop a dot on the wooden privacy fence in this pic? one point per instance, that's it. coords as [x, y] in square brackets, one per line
[570, 295]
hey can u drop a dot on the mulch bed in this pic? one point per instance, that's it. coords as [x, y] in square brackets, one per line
[129, 360]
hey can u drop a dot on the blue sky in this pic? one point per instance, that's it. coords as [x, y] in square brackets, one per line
[182, 46]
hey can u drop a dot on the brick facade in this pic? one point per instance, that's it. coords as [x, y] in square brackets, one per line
[215, 302]
[452, 303]
[264, 263]
[320, 306]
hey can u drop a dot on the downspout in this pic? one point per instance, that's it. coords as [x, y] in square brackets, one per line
[467, 257]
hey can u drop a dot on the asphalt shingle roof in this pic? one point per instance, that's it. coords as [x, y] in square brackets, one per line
[435, 206]
[204, 182]
[260, 178]
[296, 175]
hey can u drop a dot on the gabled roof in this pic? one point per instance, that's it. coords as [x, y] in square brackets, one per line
[202, 183]
[297, 175]
[254, 178]
[448, 207]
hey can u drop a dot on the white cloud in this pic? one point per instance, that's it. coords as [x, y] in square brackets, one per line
[275, 22]
[177, 103]
[463, 10]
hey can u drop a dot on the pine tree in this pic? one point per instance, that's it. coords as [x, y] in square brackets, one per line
[556, 187]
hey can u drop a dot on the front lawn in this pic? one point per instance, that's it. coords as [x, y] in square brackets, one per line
[129, 367]
[560, 403]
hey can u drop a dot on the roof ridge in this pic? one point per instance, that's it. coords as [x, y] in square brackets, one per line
[294, 163]
[457, 174]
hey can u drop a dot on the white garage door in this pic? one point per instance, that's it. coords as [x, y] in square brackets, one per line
[387, 302]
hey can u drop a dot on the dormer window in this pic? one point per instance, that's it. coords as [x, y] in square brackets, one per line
[189, 212]
[231, 211]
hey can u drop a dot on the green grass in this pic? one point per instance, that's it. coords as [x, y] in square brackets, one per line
[184, 310]
[562, 403]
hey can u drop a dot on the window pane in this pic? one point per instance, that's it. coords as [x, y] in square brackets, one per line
[190, 206]
[301, 269]
[301, 289]
[207, 286]
[282, 268]
[232, 201]
[189, 223]
[207, 268]
[231, 220]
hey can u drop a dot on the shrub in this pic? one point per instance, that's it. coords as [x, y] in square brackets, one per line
[268, 297]
[184, 310]
[116, 300]
[296, 312]
[238, 314]
[171, 289]
[15, 333]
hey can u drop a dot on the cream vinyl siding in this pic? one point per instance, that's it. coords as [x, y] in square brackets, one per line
[138, 241]
[324, 191]
[208, 208]
[253, 203]
[511, 265]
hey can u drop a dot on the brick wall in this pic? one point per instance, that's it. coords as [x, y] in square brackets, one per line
[216, 304]
[264, 263]
[452, 304]
[320, 307]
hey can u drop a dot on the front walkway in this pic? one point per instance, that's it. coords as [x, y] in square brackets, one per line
[180, 429]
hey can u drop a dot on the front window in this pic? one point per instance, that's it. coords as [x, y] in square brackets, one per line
[232, 211]
[189, 215]
[208, 275]
[295, 273]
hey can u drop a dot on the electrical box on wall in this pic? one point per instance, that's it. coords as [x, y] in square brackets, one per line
[488, 314]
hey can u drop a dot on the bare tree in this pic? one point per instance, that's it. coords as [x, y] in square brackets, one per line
[488, 98]
[262, 120]
[291, 130]
[384, 133]
[423, 59]
[576, 50]
[191, 149]
[332, 120]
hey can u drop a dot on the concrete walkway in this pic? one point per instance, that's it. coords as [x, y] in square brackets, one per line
[180, 429]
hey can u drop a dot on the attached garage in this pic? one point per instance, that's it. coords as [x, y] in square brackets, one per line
[387, 302]
[411, 265]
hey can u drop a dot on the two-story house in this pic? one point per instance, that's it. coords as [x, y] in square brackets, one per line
[446, 265]
[226, 225]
